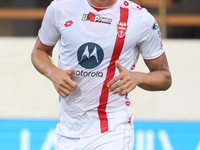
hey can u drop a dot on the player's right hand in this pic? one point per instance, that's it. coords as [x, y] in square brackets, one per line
[62, 81]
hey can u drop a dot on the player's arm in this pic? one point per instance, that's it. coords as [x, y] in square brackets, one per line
[149, 44]
[40, 58]
[159, 77]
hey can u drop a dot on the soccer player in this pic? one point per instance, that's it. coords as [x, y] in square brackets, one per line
[99, 45]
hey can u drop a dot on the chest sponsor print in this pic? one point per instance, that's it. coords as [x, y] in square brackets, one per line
[96, 18]
[90, 55]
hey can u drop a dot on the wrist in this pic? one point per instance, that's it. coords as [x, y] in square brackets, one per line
[139, 78]
[50, 71]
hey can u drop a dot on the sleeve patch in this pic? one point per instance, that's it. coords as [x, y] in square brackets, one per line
[155, 26]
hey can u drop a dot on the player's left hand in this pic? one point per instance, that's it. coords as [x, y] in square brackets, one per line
[125, 82]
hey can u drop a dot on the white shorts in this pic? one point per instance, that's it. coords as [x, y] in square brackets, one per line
[112, 140]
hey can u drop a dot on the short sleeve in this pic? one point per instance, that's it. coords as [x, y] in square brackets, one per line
[150, 43]
[49, 32]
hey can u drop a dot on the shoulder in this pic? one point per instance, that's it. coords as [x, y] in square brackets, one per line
[145, 16]
[62, 5]
[133, 7]
[137, 11]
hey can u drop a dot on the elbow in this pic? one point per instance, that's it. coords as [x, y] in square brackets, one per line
[168, 82]
[167, 87]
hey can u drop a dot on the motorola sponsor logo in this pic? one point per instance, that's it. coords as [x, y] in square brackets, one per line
[90, 56]
[89, 74]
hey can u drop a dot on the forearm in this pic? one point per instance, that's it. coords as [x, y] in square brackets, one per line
[155, 80]
[61, 79]
[42, 62]
[158, 79]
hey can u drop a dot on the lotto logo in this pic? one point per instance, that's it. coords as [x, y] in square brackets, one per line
[68, 23]
[128, 103]
[126, 3]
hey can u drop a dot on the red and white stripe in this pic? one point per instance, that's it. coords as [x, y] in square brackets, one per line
[124, 12]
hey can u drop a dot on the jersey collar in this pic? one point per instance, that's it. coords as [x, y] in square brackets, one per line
[101, 8]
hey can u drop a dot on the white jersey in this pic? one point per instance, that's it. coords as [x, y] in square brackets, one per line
[91, 40]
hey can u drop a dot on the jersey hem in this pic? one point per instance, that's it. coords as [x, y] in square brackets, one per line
[129, 127]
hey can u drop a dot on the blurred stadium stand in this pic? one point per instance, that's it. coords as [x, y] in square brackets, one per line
[177, 18]
[182, 18]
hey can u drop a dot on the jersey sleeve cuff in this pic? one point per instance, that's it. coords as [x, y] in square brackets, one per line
[43, 43]
[155, 57]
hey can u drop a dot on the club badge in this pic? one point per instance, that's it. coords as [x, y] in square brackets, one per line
[121, 29]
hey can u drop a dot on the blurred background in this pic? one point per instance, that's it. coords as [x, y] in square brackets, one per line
[167, 120]
[180, 18]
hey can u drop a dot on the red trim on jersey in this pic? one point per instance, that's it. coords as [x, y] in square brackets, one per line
[110, 74]
[133, 67]
[98, 8]
[44, 44]
[155, 58]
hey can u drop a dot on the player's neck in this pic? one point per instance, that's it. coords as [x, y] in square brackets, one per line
[102, 3]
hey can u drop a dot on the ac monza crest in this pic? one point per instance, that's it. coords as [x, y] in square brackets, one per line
[121, 29]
